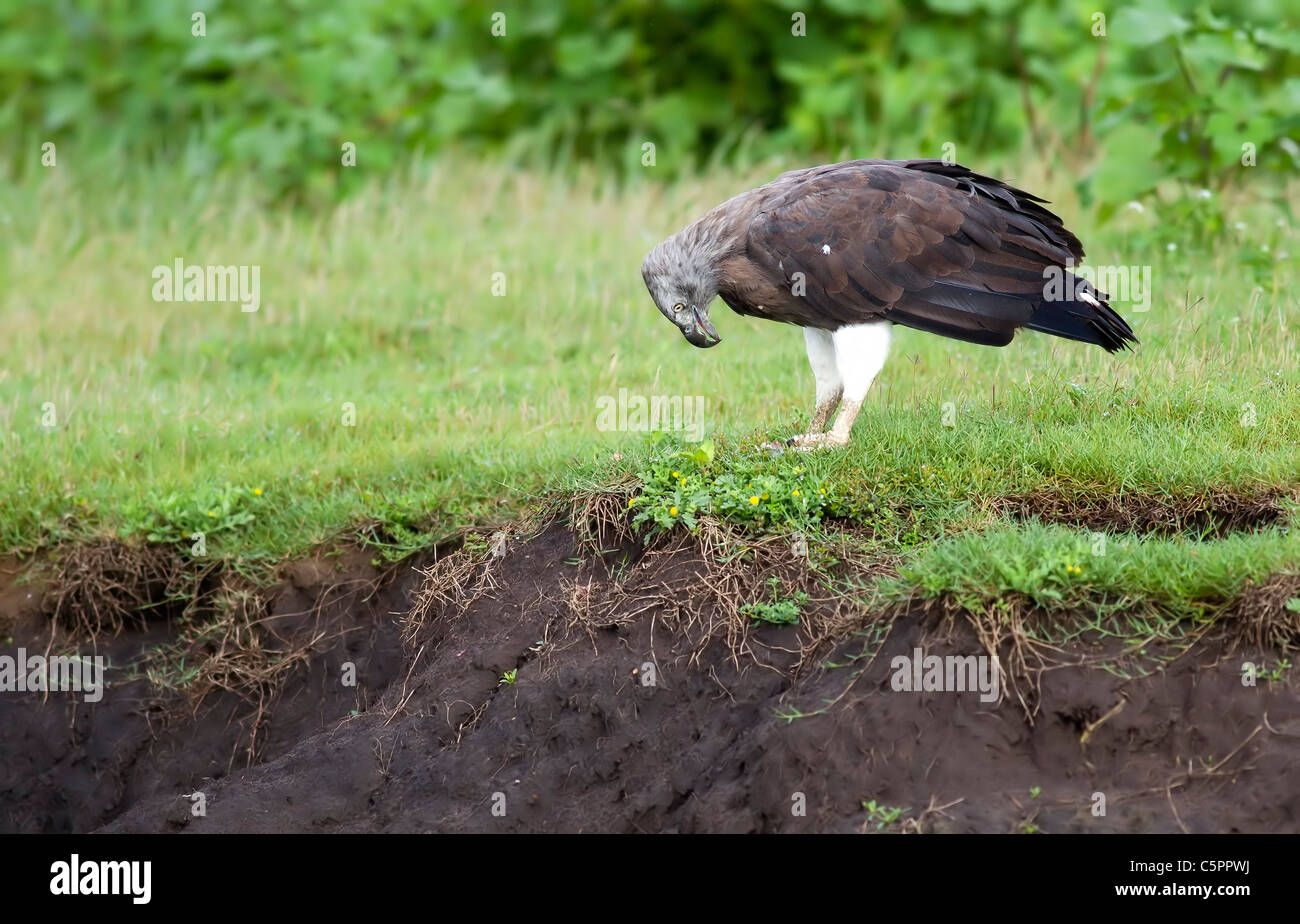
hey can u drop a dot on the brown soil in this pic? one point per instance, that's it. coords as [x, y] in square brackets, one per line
[431, 739]
[1211, 514]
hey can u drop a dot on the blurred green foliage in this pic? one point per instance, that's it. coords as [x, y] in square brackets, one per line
[277, 89]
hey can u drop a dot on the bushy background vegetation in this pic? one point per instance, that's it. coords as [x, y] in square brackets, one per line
[1172, 88]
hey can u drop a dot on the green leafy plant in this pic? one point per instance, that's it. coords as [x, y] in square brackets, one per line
[1204, 94]
[177, 516]
[881, 814]
[400, 528]
[278, 91]
[779, 610]
[684, 484]
[1275, 674]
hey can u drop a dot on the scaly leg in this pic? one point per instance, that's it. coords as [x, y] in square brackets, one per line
[821, 357]
[860, 351]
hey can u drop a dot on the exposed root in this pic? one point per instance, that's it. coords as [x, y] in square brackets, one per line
[722, 569]
[1012, 627]
[235, 653]
[600, 520]
[103, 587]
[451, 584]
[1004, 632]
[578, 598]
[923, 824]
[1212, 514]
[1267, 615]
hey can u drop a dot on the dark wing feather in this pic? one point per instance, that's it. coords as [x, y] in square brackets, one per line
[927, 245]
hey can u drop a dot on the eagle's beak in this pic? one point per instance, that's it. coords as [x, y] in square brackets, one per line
[699, 330]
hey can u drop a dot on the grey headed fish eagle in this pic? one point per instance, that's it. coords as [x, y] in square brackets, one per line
[847, 250]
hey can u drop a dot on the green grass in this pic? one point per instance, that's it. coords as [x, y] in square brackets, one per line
[780, 610]
[1063, 569]
[469, 406]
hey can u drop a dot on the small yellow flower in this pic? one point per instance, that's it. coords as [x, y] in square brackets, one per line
[753, 501]
[766, 495]
[672, 511]
[631, 501]
[795, 492]
[257, 490]
[212, 514]
[675, 475]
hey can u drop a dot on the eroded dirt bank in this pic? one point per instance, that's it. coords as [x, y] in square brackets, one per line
[743, 729]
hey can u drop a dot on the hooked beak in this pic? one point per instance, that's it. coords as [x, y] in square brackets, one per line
[697, 328]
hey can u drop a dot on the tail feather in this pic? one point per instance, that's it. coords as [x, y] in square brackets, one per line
[1086, 317]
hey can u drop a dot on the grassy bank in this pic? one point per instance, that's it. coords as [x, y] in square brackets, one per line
[382, 380]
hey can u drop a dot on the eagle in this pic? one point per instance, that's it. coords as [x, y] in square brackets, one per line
[848, 250]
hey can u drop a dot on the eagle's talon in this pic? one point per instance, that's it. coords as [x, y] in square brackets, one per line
[806, 442]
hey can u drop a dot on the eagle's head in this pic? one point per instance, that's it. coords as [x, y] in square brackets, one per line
[682, 282]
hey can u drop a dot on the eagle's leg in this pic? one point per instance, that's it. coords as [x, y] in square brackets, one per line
[860, 351]
[826, 373]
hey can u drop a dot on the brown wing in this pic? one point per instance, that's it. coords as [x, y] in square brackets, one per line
[924, 244]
